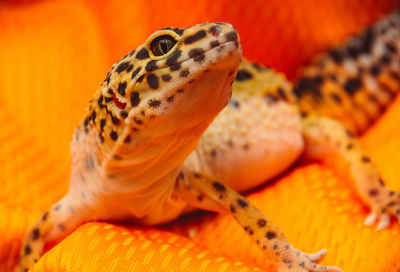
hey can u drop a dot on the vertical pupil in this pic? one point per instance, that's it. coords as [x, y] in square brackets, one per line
[164, 46]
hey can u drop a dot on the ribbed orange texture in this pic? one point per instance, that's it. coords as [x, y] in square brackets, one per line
[54, 55]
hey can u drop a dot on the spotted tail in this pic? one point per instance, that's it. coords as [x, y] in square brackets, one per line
[355, 82]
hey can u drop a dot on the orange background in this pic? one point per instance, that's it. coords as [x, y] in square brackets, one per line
[55, 54]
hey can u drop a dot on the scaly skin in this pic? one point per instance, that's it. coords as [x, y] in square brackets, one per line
[146, 150]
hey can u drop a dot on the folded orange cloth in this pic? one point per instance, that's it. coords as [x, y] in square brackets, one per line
[54, 55]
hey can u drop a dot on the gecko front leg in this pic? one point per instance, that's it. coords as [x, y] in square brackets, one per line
[202, 191]
[55, 224]
[324, 136]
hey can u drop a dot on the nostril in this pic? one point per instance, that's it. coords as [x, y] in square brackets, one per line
[215, 30]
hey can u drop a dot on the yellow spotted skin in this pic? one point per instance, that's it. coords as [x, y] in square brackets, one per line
[166, 134]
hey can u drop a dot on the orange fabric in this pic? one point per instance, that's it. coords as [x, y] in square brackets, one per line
[53, 56]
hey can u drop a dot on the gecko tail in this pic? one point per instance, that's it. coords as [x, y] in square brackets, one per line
[356, 81]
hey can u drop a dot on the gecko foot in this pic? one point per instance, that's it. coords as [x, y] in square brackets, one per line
[383, 208]
[296, 261]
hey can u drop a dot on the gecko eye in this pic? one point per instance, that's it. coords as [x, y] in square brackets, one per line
[162, 45]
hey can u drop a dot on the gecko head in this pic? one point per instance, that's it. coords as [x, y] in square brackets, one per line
[176, 82]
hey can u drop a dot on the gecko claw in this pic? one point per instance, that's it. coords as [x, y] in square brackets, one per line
[384, 221]
[371, 219]
[317, 256]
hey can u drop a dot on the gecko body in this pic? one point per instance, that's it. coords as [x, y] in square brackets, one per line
[156, 140]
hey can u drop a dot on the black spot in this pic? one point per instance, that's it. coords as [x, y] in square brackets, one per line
[170, 98]
[138, 120]
[110, 91]
[367, 39]
[231, 36]
[196, 175]
[121, 88]
[195, 37]
[142, 54]
[153, 81]
[350, 146]
[261, 223]
[108, 78]
[235, 103]
[184, 73]
[232, 208]
[135, 99]
[214, 44]
[352, 85]
[136, 72]
[140, 79]
[101, 138]
[127, 139]
[215, 30]
[154, 103]
[35, 234]
[108, 99]
[176, 67]
[395, 76]
[61, 227]
[335, 97]
[386, 59]
[123, 114]
[181, 90]
[151, 65]
[219, 186]
[243, 75]
[271, 98]
[242, 203]
[45, 215]
[171, 60]
[270, 235]
[100, 102]
[130, 67]
[336, 55]
[199, 58]
[178, 31]
[86, 122]
[93, 116]
[308, 85]
[117, 157]
[166, 77]
[200, 198]
[115, 120]
[365, 159]
[121, 67]
[381, 182]
[57, 207]
[282, 94]
[373, 192]
[391, 47]
[28, 250]
[213, 153]
[113, 135]
[195, 51]
[102, 124]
